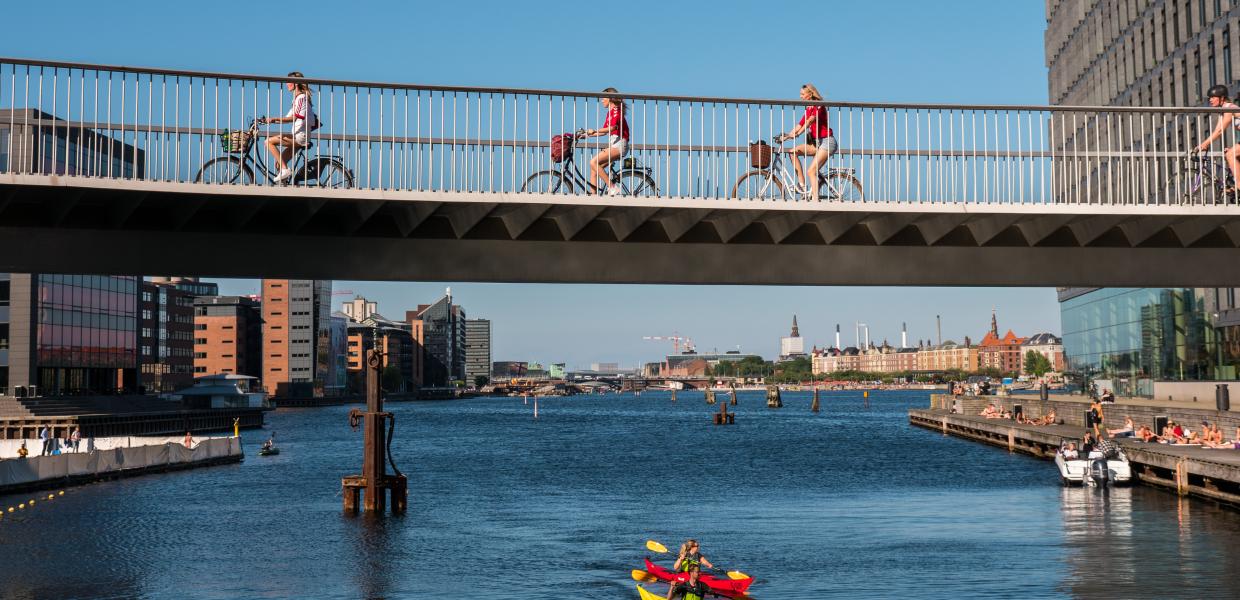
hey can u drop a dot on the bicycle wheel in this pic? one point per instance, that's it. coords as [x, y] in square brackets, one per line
[547, 182]
[839, 185]
[758, 184]
[327, 173]
[634, 182]
[225, 170]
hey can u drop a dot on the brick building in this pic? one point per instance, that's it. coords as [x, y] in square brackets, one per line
[227, 336]
[165, 337]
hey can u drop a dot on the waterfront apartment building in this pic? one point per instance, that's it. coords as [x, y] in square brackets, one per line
[68, 334]
[165, 337]
[441, 327]
[948, 356]
[395, 344]
[835, 360]
[1047, 345]
[297, 338]
[478, 350]
[227, 336]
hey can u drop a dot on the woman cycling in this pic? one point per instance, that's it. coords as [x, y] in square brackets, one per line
[616, 128]
[819, 140]
[1218, 99]
[301, 115]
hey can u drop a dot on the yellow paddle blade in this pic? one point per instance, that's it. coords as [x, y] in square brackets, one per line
[654, 546]
[644, 577]
[646, 595]
[737, 575]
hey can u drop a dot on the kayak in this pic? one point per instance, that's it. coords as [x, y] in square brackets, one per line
[730, 588]
[646, 595]
[268, 451]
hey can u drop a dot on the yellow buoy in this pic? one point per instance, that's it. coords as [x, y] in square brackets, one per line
[50, 496]
[62, 492]
[31, 503]
[22, 506]
[10, 509]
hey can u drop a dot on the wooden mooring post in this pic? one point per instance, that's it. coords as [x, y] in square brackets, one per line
[813, 407]
[371, 488]
[710, 396]
[723, 417]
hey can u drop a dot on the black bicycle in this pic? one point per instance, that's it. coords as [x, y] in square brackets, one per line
[630, 178]
[1202, 179]
[237, 166]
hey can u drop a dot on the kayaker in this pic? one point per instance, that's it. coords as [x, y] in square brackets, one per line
[690, 554]
[693, 589]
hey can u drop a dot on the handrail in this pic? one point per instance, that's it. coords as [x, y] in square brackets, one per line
[627, 96]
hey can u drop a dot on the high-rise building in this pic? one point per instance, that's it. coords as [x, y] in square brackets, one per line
[1160, 342]
[68, 334]
[297, 338]
[359, 309]
[395, 344]
[1145, 53]
[165, 337]
[792, 346]
[441, 327]
[477, 350]
[228, 336]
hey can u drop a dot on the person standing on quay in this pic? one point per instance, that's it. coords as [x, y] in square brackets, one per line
[46, 436]
[23, 452]
[76, 438]
[1095, 415]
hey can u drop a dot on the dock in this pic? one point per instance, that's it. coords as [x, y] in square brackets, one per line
[1207, 473]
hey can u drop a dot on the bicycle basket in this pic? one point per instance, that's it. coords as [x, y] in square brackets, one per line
[235, 141]
[630, 163]
[760, 155]
[561, 147]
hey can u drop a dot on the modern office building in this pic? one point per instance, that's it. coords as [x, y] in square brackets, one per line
[297, 338]
[68, 334]
[792, 346]
[359, 309]
[191, 285]
[165, 337]
[32, 141]
[393, 340]
[228, 336]
[477, 350]
[1139, 53]
[441, 328]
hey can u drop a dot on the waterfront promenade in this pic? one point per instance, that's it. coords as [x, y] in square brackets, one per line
[1188, 470]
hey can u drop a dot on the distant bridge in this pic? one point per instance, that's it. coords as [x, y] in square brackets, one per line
[102, 171]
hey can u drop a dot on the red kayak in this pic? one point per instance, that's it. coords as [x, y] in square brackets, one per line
[730, 588]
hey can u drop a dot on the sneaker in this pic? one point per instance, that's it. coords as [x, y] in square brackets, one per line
[283, 175]
[613, 190]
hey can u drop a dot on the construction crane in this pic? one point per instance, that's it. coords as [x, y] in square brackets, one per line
[676, 340]
[343, 293]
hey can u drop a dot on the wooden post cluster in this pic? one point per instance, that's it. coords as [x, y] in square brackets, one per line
[723, 417]
[773, 399]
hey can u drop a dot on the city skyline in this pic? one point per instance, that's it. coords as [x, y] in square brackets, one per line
[965, 312]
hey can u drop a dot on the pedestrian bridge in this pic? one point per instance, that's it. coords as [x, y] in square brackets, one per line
[119, 170]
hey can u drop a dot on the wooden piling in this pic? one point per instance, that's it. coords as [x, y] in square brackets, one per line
[673, 395]
[813, 407]
[710, 396]
[733, 394]
[723, 417]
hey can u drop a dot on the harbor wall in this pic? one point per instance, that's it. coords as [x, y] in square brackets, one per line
[162, 454]
[1071, 411]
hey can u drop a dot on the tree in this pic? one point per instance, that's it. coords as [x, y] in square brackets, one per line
[1036, 363]
[481, 380]
[392, 379]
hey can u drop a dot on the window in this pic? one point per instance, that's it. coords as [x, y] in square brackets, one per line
[201, 327]
[227, 327]
[4, 292]
[200, 355]
[200, 340]
[227, 355]
[146, 351]
[146, 332]
[200, 369]
[146, 314]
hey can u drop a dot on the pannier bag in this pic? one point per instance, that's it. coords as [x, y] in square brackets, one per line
[759, 155]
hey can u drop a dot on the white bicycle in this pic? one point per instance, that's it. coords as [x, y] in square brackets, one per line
[771, 178]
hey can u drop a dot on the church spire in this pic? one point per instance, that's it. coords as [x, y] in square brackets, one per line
[994, 323]
[795, 331]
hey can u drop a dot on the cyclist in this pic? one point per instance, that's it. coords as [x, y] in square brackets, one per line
[1218, 99]
[819, 140]
[616, 128]
[301, 115]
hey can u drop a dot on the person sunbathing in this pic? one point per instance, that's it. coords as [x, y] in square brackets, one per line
[1147, 435]
[989, 411]
[1126, 431]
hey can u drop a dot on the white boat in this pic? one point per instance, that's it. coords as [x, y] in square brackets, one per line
[1095, 470]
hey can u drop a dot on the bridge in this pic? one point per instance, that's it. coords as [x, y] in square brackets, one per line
[123, 170]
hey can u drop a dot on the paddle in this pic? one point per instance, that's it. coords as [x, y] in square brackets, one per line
[644, 577]
[654, 546]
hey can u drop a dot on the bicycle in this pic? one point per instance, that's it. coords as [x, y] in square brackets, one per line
[771, 179]
[1201, 178]
[237, 165]
[632, 178]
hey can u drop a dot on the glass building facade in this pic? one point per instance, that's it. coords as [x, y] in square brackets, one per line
[86, 333]
[1135, 337]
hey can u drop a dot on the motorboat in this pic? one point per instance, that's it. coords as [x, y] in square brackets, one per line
[269, 451]
[1098, 469]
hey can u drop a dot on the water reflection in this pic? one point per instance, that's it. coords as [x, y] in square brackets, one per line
[375, 557]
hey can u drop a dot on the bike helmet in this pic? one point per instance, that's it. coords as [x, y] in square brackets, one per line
[1217, 91]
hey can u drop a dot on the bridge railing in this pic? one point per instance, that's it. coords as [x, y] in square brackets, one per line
[165, 126]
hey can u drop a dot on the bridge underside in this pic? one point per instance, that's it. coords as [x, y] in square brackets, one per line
[52, 225]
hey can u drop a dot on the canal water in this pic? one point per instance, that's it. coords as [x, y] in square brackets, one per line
[848, 503]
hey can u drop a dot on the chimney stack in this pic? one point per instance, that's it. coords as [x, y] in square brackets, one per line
[903, 335]
[837, 336]
[938, 323]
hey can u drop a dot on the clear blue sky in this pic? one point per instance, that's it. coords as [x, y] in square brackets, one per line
[967, 51]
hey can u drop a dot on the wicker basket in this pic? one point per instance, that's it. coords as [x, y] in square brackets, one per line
[760, 155]
[234, 142]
